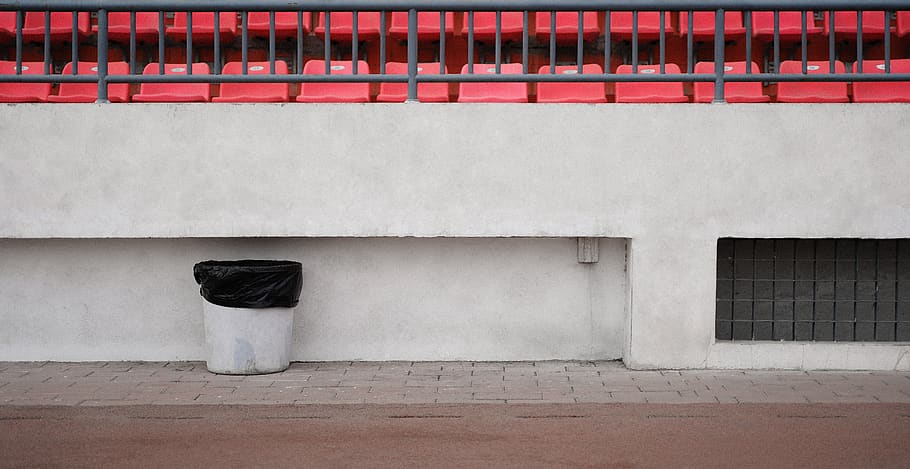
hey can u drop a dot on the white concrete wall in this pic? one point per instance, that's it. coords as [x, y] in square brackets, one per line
[363, 299]
[671, 178]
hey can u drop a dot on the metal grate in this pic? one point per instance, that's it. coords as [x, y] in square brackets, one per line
[843, 290]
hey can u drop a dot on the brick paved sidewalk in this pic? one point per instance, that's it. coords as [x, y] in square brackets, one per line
[124, 383]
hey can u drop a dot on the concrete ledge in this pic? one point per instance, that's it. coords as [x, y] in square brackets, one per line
[810, 356]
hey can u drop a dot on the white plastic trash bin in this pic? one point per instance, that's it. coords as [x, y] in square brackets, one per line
[247, 341]
[248, 312]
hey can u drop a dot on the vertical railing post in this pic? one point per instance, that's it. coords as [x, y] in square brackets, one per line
[74, 43]
[216, 46]
[102, 57]
[132, 43]
[20, 19]
[189, 43]
[244, 42]
[412, 56]
[161, 42]
[47, 42]
[719, 46]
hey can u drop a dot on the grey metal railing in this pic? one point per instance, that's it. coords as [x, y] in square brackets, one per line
[412, 7]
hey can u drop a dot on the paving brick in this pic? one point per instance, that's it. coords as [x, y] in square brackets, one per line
[455, 399]
[321, 383]
[47, 400]
[596, 398]
[664, 397]
[695, 397]
[557, 398]
[891, 396]
[109, 402]
[514, 394]
[333, 366]
[657, 387]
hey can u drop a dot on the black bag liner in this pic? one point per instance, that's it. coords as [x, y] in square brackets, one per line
[250, 283]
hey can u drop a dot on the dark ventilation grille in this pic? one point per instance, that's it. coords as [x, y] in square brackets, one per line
[843, 290]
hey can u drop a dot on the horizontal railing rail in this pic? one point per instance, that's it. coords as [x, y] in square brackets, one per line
[102, 8]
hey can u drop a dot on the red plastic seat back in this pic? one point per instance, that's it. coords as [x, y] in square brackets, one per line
[342, 26]
[118, 26]
[334, 92]
[883, 92]
[7, 23]
[811, 92]
[174, 92]
[511, 22]
[650, 92]
[493, 92]
[582, 92]
[790, 25]
[427, 25]
[426, 92]
[703, 25]
[845, 24]
[88, 92]
[903, 23]
[648, 25]
[204, 26]
[23, 92]
[254, 92]
[567, 26]
[734, 92]
[61, 26]
[285, 23]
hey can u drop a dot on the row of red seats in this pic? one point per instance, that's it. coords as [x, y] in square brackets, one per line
[875, 25]
[504, 92]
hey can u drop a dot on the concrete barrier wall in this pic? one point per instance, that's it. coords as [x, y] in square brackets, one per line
[669, 178]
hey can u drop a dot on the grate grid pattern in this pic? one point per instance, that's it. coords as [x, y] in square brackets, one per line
[841, 290]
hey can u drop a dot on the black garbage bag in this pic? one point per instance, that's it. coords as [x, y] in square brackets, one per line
[250, 283]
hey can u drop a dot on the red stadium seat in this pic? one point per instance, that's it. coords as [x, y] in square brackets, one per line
[811, 92]
[88, 92]
[23, 92]
[204, 26]
[790, 25]
[587, 92]
[61, 26]
[118, 26]
[845, 25]
[7, 24]
[427, 25]
[567, 26]
[174, 92]
[882, 91]
[254, 92]
[285, 24]
[648, 25]
[343, 26]
[426, 92]
[334, 92]
[703, 25]
[903, 23]
[650, 92]
[734, 92]
[511, 22]
[493, 92]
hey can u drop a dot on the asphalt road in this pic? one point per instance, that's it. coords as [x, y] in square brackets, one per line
[636, 435]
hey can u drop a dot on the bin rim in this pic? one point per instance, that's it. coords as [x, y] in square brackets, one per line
[262, 264]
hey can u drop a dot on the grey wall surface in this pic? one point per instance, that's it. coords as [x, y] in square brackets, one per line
[363, 299]
[453, 170]
[670, 178]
